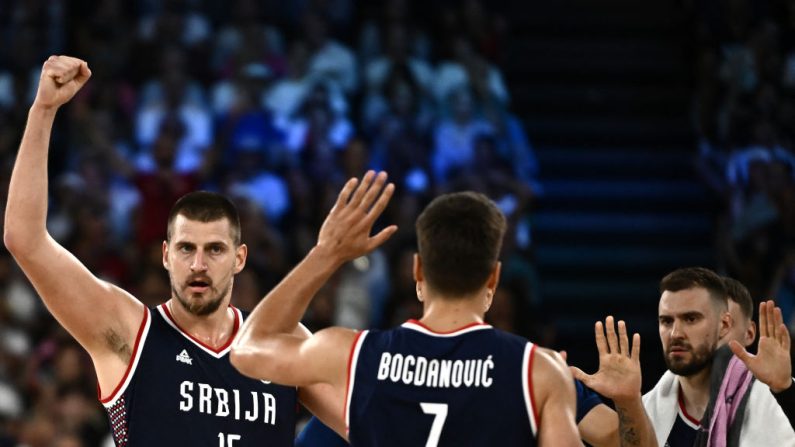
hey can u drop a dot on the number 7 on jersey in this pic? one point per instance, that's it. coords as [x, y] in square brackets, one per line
[439, 411]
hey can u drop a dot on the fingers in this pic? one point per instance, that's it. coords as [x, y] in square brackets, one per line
[763, 332]
[612, 340]
[564, 355]
[345, 194]
[383, 201]
[364, 186]
[601, 342]
[381, 237]
[580, 375]
[623, 341]
[635, 354]
[740, 352]
[782, 334]
[64, 69]
[373, 192]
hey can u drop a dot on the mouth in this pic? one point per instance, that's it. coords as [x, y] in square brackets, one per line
[198, 286]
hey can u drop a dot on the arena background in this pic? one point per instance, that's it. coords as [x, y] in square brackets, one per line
[623, 139]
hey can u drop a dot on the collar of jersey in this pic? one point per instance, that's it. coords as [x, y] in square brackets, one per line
[217, 353]
[419, 327]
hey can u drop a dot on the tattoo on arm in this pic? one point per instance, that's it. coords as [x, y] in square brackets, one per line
[626, 429]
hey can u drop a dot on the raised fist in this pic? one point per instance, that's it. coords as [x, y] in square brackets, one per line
[61, 77]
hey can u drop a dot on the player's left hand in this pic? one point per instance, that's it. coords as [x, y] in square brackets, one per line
[619, 375]
[771, 364]
[345, 234]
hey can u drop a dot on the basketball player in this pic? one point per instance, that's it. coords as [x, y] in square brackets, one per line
[706, 397]
[163, 374]
[448, 379]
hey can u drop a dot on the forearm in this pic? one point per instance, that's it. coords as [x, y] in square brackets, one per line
[26, 209]
[634, 426]
[283, 307]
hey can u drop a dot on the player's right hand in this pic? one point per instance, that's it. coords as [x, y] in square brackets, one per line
[61, 78]
[619, 375]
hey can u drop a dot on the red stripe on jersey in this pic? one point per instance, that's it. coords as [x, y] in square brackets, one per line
[129, 365]
[217, 351]
[692, 420]
[350, 375]
[530, 384]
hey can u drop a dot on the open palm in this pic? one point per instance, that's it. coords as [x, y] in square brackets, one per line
[618, 377]
[771, 364]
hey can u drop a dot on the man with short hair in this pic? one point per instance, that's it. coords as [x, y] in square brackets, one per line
[707, 395]
[741, 309]
[448, 379]
[163, 374]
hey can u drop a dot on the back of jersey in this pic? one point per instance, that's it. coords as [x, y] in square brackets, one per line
[410, 386]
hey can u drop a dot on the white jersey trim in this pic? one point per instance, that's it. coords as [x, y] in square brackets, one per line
[219, 354]
[110, 401]
[426, 331]
[527, 386]
[357, 347]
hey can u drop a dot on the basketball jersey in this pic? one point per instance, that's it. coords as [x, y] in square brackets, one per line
[685, 429]
[411, 386]
[178, 391]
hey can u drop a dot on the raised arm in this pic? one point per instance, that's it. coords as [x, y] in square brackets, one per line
[619, 379]
[266, 347]
[103, 318]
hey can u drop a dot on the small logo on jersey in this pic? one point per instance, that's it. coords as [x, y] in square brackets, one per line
[184, 357]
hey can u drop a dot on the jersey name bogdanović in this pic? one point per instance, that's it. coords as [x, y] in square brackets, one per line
[180, 392]
[410, 386]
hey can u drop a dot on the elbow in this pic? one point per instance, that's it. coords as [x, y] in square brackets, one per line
[12, 240]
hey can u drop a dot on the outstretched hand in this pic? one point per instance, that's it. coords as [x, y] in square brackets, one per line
[346, 230]
[61, 78]
[618, 377]
[771, 364]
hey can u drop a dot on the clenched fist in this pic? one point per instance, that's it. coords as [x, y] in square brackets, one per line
[61, 78]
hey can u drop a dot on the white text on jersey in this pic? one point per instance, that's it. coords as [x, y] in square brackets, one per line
[223, 403]
[435, 373]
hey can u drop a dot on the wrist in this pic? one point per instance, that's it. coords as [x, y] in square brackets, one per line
[782, 388]
[42, 110]
[326, 256]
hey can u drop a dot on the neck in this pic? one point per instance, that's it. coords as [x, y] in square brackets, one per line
[445, 315]
[213, 329]
[695, 392]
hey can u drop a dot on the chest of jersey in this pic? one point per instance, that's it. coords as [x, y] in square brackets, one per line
[183, 393]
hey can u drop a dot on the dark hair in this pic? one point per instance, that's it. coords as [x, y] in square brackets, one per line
[459, 237]
[692, 277]
[738, 293]
[205, 206]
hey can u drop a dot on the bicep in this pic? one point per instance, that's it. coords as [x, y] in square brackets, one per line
[97, 314]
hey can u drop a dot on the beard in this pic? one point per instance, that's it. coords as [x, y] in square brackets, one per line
[194, 303]
[701, 357]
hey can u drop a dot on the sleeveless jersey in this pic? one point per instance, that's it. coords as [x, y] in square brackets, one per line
[179, 392]
[411, 386]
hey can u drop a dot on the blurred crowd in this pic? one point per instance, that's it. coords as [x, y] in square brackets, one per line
[744, 112]
[275, 104]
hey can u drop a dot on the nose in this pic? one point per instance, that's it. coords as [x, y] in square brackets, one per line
[676, 330]
[198, 264]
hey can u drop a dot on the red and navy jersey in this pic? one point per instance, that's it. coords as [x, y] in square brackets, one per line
[178, 391]
[413, 386]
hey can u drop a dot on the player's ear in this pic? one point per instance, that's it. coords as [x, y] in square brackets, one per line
[165, 254]
[725, 324]
[241, 253]
[494, 276]
[750, 334]
[417, 268]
